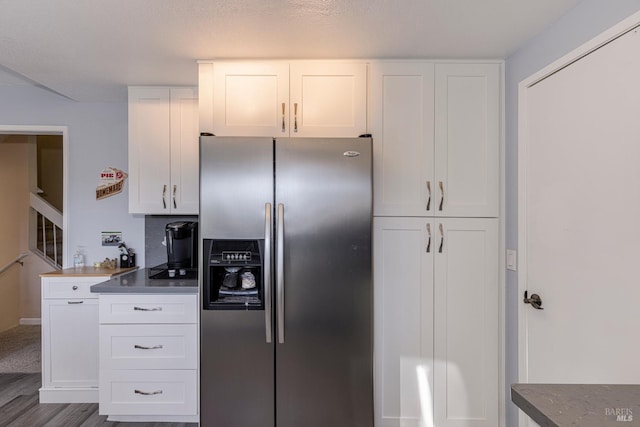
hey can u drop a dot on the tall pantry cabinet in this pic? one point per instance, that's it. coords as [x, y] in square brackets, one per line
[436, 136]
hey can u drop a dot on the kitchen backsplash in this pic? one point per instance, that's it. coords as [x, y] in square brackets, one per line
[155, 252]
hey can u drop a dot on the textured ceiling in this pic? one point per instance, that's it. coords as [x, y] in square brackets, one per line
[90, 50]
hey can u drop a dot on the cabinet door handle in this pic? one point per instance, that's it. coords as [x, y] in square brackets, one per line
[147, 393]
[283, 126]
[295, 117]
[164, 200]
[441, 238]
[429, 234]
[74, 287]
[155, 347]
[147, 309]
[428, 195]
[441, 185]
[75, 302]
[175, 188]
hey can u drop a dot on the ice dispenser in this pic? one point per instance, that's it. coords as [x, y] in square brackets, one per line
[232, 274]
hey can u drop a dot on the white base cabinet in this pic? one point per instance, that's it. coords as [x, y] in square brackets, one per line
[69, 340]
[436, 324]
[149, 357]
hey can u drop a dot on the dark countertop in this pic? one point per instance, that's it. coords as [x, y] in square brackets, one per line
[579, 405]
[138, 282]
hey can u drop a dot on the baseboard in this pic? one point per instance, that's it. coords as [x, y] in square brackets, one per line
[69, 395]
[30, 321]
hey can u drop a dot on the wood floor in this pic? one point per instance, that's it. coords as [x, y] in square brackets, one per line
[19, 407]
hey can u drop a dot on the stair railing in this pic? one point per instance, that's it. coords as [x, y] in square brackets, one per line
[16, 260]
[48, 222]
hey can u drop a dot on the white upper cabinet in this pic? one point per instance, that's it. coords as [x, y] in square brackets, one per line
[281, 99]
[163, 150]
[401, 122]
[467, 140]
[328, 99]
[436, 138]
[250, 99]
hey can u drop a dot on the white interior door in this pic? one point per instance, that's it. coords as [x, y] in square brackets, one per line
[579, 207]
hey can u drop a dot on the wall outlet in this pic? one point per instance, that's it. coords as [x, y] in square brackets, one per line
[512, 259]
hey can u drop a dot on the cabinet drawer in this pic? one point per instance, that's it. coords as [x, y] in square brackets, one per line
[64, 287]
[148, 346]
[148, 309]
[150, 392]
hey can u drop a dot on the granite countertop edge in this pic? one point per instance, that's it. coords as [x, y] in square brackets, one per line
[584, 405]
[137, 282]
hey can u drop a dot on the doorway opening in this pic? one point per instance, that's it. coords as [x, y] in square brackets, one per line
[33, 220]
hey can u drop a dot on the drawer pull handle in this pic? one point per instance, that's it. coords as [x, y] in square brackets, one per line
[75, 288]
[147, 309]
[144, 393]
[75, 302]
[155, 347]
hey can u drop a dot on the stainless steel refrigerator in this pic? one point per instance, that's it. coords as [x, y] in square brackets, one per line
[286, 282]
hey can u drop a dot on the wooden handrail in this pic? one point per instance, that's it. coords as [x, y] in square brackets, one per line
[16, 260]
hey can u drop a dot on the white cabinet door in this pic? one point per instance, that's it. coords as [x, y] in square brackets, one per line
[401, 115]
[149, 150]
[70, 343]
[467, 135]
[403, 321]
[185, 164]
[466, 346]
[328, 99]
[250, 98]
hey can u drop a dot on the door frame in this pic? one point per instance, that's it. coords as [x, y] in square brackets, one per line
[580, 52]
[52, 130]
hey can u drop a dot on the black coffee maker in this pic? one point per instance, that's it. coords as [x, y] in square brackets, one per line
[182, 245]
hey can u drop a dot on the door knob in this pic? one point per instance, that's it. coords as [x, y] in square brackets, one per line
[535, 301]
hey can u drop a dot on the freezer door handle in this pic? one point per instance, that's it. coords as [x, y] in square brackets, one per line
[268, 227]
[280, 272]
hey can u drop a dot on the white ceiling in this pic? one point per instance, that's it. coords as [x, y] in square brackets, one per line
[90, 50]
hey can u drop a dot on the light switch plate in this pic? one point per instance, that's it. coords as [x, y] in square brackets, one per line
[512, 259]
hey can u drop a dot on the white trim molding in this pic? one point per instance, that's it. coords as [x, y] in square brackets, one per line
[30, 321]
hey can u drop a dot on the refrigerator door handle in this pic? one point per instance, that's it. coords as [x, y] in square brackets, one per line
[280, 271]
[268, 227]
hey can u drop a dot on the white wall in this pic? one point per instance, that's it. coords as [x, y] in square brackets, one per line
[97, 138]
[588, 19]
